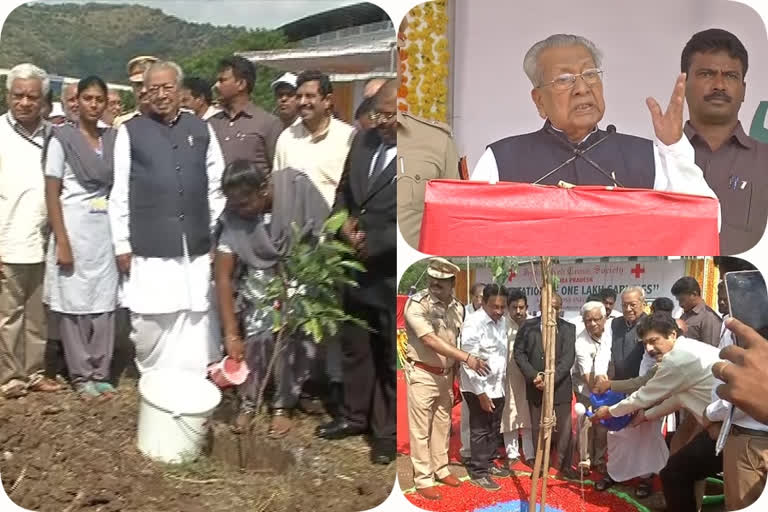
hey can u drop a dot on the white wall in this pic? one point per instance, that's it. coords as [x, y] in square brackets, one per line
[641, 42]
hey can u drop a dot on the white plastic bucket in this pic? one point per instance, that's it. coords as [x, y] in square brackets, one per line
[173, 414]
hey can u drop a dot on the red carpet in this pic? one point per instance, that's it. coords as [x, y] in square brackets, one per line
[562, 495]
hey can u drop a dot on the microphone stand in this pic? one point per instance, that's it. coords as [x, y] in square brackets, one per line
[581, 153]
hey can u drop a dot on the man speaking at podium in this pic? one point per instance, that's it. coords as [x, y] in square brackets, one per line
[568, 94]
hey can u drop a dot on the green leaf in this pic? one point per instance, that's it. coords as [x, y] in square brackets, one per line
[335, 221]
[355, 265]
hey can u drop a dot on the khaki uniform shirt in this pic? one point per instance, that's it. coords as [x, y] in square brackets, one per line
[425, 151]
[425, 314]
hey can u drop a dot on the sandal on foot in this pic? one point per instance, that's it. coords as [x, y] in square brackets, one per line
[86, 390]
[242, 422]
[281, 423]
[13, 389]
[644, 489]
[105, 388]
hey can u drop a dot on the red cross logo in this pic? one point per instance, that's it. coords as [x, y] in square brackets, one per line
[637, 271]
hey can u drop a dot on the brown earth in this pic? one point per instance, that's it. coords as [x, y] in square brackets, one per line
[59, 453]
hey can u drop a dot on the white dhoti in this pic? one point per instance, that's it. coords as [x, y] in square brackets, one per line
[637, 451]
[173, 323]
[180, 340]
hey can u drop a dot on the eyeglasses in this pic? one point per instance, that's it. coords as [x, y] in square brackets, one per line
[568, 80]
[381, 117]
[167, 88]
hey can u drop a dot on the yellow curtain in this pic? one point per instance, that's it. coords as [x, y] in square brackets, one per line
[708, 276]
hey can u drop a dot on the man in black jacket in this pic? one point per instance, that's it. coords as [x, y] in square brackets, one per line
[367, 191]
[529, 355]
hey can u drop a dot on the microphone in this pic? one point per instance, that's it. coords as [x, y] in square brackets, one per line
[610, 129]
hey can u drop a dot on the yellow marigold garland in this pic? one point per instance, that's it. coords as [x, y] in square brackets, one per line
[424, 62]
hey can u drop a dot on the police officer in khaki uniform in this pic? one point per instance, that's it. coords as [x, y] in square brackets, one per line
[425, 151]
[433, 319]
[136, 68]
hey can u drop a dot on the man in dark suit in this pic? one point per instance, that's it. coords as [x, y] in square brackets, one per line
[367, 191]
[529, 355]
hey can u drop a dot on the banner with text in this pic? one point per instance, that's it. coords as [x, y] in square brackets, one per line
[578, 280]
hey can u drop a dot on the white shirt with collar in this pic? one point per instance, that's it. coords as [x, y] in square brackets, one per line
[486, 339]
[320, 157]
[389, 155]
[683, 380]
[147, 288]
[726, 336]
[23, 214]
[676, 169]
[587, 349]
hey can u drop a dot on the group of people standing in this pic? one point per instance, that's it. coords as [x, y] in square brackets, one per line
[173, 213]
[664, 366]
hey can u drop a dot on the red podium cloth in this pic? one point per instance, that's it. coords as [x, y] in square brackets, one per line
[401, 300]
[467, 218]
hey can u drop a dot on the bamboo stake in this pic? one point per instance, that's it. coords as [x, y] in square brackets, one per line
[548, 336]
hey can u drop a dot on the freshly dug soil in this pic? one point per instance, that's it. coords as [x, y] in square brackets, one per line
[62, 454]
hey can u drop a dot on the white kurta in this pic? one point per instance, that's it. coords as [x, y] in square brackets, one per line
[637, 451]
[169, 298]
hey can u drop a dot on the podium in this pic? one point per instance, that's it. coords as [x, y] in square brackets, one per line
[473, 218]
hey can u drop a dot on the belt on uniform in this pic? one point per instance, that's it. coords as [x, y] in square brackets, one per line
[436, 370]
[749, 431]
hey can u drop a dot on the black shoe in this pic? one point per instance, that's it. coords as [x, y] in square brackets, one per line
[335, 399]
[499, 472]
[337, 429]
[605, 483]
[570, 473]
[486, 483]
[383, 451]
[465, 461]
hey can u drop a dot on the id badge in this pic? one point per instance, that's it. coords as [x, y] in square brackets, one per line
[98, 205]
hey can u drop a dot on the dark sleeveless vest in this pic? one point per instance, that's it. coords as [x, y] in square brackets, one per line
[168, 190]
[626, 349]
[526, 158]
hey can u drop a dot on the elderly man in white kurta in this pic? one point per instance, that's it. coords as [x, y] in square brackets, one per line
[23, 227]
[567, 78]
[164, 204]
[589, 342]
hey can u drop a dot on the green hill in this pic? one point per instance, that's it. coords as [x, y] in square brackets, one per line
[77, 40]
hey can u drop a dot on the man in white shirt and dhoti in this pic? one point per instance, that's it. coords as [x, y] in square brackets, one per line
[164, 204]
[589, 343]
